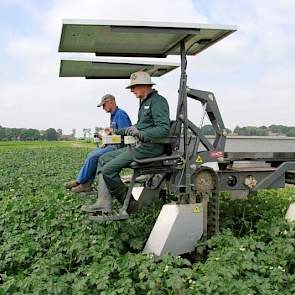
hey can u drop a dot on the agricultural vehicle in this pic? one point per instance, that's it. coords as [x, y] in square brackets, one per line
[194, 170]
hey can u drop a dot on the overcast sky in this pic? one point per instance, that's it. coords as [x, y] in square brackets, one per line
[251, 72]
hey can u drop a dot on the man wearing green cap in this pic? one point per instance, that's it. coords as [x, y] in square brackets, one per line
[153, 123]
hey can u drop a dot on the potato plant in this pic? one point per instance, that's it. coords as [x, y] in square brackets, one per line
[47, 246]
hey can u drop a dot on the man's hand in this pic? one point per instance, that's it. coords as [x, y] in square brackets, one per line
[97, 135]
[108, 131]
[133, 131]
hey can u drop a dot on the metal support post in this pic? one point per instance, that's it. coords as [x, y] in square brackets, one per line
[182, 112]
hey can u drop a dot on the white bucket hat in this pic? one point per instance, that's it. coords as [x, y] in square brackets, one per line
[140, 78]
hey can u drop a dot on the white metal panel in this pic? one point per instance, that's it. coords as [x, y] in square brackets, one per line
[290, 215]
[136, 192]
[127, 38]
[176, 230]
[100, 68]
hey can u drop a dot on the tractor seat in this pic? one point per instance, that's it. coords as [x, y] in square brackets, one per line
[155, 163]
[167, 159]
[162, 161]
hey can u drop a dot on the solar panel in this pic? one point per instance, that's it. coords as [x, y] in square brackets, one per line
[103, 68]
[144, 39]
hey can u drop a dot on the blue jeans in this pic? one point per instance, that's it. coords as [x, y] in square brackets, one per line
[88, 171]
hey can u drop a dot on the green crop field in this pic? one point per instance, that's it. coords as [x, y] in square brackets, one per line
[47, 246]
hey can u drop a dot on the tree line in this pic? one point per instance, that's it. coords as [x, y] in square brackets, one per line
[272, 130]
[9, 134]
[57, 134]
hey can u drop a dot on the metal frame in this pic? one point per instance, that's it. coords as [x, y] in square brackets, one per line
[211, 109]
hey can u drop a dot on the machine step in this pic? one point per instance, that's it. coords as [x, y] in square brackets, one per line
[109, 216]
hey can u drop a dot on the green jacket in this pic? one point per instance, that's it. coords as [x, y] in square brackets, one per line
[153, 120]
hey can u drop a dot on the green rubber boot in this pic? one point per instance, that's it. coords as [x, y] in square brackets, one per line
[104, 199]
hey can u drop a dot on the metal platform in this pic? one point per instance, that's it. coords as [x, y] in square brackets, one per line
[113, 215]
[259, 156]
[258, 143]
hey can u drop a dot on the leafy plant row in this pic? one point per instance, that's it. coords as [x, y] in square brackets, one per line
[47, 246]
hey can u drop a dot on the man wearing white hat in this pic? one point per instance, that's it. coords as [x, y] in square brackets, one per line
[153, 123]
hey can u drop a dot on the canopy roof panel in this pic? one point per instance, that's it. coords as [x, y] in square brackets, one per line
[145, 39]
[102, 68]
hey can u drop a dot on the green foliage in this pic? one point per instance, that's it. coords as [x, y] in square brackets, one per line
[209, 130]
[4, 145]
[24, 134]
[255, 253]
[47, 246]
[280, 129]
[50, 134]
[19, 134]
[265, 131]
[251, 131]
[291, 132]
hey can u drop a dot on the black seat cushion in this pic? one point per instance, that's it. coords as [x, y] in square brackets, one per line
[135, 165]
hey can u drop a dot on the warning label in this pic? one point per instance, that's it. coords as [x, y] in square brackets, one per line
[197, 210]
[199, 159]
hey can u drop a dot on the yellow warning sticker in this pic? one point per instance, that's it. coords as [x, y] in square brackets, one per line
[197, 210]
[116, 139]
[199, 159]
